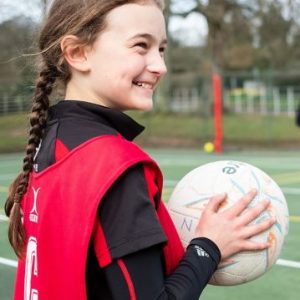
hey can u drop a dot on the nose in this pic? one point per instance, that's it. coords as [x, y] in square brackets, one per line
[157, 65]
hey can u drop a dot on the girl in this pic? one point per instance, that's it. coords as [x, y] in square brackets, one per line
[86, 216]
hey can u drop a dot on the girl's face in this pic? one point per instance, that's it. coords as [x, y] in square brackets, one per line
[127, 60]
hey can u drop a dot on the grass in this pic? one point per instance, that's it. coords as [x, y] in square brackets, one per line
[13, 132]
[239, 130]
[182, 130]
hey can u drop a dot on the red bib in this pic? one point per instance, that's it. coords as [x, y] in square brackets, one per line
[60, 217]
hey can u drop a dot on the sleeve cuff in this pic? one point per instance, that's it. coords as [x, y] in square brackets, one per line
[209, 246]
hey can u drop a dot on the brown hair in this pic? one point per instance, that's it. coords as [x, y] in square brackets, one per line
[84, 19]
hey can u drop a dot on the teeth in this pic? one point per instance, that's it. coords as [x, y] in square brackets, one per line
[147, 86]
[144, 85]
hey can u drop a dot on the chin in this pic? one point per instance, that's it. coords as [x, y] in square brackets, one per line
[146, 106]
[141, 104]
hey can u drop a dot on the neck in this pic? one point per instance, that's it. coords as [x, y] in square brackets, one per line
[76, 91]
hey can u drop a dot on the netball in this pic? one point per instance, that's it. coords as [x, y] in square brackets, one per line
[235, 178]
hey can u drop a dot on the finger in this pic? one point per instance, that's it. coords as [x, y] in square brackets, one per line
[252, 213]
[253, 230]
[249, 245]
[215, 202]
[242, 204]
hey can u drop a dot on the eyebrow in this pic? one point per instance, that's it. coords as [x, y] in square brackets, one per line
[148, 36]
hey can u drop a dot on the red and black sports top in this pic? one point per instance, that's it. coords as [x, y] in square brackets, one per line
[127, 215]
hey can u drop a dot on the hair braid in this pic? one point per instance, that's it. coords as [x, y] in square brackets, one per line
[18, 188]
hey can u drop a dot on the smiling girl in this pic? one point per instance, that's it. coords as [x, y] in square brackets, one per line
[86, 216]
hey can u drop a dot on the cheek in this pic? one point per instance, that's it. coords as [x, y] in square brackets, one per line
[133, 66]
[117, 70]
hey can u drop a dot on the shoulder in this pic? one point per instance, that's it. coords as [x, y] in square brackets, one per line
[73, 134]
[128, 216]
[115, 149]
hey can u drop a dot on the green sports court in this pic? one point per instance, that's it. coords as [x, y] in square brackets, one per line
[281, 282]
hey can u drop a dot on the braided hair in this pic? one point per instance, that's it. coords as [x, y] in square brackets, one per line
[84, 19]
[18, 188]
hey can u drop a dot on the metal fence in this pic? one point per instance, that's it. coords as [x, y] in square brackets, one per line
[263, 101]
[12, 104]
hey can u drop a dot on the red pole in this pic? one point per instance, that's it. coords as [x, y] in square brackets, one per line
[217, 92]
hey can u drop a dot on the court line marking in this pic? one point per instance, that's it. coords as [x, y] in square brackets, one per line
[288, 263]
[280, 262]
[287, 174]
[291, 191]
[3, 218]
[8, 176]
[3, 189]
[295, 218]
[8, 262]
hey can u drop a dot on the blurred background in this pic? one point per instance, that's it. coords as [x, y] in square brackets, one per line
[254, 45]
[251, 46]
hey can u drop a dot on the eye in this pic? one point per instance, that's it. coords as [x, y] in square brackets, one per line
[162, 50]
[142, 45]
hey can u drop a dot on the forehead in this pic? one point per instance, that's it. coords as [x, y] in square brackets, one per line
[131, 19]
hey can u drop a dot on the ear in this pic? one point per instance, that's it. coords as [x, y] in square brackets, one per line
[74, 53]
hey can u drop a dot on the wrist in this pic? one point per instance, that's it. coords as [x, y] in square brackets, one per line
[205, 246]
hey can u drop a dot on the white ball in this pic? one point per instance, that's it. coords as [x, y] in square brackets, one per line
[193, 192]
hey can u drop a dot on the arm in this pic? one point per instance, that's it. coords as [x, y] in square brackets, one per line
[135, 239]
[130, 204]
[141, 275]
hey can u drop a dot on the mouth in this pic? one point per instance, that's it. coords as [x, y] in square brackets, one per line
[144, 85]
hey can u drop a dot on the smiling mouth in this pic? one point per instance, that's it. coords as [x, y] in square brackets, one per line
[144, 85]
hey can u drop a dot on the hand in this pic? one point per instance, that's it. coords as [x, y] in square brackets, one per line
[231, 229]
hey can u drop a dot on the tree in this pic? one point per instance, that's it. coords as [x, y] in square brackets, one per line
[274, 33]
[44, 6]
[217, 13]
[16, 72]
[238, 47]
[246, 34]
[163, 93]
